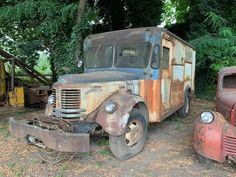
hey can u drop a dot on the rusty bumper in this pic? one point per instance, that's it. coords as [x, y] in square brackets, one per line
[54, 139]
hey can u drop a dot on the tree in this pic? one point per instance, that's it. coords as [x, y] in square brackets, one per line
[142, 13]
[48, 25]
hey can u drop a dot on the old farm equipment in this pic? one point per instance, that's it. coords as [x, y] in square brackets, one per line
[132, 78]
[13, 92]
[215, 132]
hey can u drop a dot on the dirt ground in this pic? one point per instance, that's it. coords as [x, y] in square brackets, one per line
[168, 152]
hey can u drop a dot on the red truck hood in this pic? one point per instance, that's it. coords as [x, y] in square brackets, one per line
[228, 99]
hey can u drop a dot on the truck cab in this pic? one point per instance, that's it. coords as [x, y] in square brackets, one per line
[131, 78]
[214, 132]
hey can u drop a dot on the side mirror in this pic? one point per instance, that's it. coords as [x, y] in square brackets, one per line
[154, 65]
[155, 57]
[80, 63]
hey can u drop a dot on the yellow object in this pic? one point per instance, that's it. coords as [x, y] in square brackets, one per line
[16, 98]
[2, 79]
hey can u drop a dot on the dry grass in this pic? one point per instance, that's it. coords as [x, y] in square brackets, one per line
[168, 152]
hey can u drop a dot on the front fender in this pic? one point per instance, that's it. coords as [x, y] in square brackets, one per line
[208, 138]
[115, 123]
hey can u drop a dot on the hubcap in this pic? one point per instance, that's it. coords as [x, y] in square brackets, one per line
[133, 133]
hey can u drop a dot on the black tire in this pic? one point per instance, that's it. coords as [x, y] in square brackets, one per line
[124, 149]
[205, 161]
[185, 110]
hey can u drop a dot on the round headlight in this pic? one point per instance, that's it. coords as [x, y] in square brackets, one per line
[110, 107]
[51, 99]
[206, 117]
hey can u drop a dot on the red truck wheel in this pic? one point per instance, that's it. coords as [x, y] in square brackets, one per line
[132, 141]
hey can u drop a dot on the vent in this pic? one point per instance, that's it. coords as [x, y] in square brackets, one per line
[70, 99]
[230, 145]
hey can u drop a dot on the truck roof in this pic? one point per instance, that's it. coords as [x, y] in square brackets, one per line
[227, 70]
[128, 35]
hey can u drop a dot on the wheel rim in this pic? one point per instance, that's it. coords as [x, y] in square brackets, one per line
[133, 133]
[187, 105]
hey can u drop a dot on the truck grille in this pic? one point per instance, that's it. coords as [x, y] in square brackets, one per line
[230, 145]
[54, 96]
[70, 99]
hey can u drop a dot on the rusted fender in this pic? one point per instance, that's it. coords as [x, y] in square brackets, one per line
[115, 123]
[208, 138]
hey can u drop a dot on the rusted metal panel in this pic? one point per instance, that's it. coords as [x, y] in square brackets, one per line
[116, 122]
[57, 140]
[208, 138]
[150, 91]
[36, 95]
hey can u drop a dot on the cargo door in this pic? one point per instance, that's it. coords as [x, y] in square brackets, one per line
[166, 55]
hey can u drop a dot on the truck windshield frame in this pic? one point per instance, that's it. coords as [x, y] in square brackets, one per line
[99, 57]
[133, 55]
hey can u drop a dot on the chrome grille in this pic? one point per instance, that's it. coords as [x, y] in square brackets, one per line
[54, 96]
[230, 145]
[70, 99]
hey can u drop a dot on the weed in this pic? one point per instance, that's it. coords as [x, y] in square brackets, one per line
[86, 155]
[98, 164]
[62, 170]
[5, 132]
[34, 161]
[105, 152]
[11, 165]
[17, 171]
[103, 142]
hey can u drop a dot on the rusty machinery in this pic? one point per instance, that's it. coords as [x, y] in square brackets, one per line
[13, 92]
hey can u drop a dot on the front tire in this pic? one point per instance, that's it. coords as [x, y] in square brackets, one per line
[132, 141]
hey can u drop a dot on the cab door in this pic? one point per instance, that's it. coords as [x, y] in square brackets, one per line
[166, 55]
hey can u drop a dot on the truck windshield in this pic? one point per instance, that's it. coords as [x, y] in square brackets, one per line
[229, 81]
[132, 55]
[99, 57]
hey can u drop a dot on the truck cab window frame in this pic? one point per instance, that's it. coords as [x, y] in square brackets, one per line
[165, 57]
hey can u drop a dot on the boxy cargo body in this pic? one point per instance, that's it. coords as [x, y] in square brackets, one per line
[132, 77]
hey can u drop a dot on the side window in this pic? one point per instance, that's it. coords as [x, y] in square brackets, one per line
[166, 58]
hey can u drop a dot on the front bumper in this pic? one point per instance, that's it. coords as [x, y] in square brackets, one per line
[53, 139]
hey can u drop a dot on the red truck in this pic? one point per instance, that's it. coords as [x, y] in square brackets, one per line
[215, 132]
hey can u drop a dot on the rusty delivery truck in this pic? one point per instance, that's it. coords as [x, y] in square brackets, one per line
[131, 78]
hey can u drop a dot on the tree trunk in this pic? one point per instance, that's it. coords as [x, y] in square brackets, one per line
[81, 10]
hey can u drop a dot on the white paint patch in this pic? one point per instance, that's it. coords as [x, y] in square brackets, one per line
[178, 73]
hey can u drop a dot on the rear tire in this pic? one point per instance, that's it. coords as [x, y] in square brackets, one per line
[133, 140]
[185, 110]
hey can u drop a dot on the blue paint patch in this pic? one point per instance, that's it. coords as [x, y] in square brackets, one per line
[156, 74]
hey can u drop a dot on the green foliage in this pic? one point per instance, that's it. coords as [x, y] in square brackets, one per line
[43, 65]
[175, 11]
[142, 13]
[30, 26]
[215, 50]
